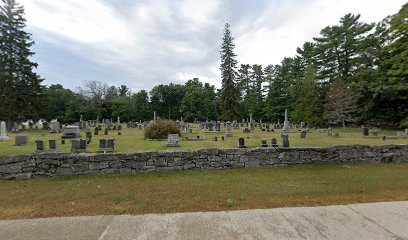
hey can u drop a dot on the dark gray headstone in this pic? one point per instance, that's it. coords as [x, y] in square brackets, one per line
[52, 144]
[96, 132]
[40, 145]
[241, 142]
[274, 142]
[264, 144]
[89, 137]
[102, 143]
[21, 140]
[303, 134]
[285, 140]
[365, 132]
[106, 131]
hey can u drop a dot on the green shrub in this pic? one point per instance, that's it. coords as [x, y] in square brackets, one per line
[160, 129]
[230, 202]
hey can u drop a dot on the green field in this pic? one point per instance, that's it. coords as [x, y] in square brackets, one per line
[203, 190]
[132, 140]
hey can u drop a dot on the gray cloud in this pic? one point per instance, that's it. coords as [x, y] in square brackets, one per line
[145, 43]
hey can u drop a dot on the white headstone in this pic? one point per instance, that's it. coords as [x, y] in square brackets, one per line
[286, 125]
[3, 132]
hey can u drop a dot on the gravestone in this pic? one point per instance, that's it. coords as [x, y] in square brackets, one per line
[111, 144]
[178, 125]
[374, 131]
[96, 132]
[222, 138]
[264, 144]
[286, 124]
[210, 127]
[55, 126]
[173, 140]
[21, 140]
[100, 127]
[52, 145]
[241, 142]
[71, 132]
[88, 137]
[228, 132]
[3, 132]
[215, 139]
[62, 141]
[302, 124]
[218, 127]
[303, 134]
[247, 130]
[40, 145]
[329, 131]
[106, 131]
[274, 142]
[365, 132]
[78, 145]
[285, 140]
[102, 144]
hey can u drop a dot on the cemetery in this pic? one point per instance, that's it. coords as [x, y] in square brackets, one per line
[325, 126]
[131, 139]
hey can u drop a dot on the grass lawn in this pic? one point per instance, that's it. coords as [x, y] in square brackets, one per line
[203, 190]
[132, 140]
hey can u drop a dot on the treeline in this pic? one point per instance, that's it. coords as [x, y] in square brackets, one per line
[353, 72]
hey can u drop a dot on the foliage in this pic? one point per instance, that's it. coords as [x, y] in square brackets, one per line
[308, 106]
[230, 202]
[160, 129]
[20, 86]
[229, 93]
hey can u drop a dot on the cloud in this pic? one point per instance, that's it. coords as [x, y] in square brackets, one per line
[148, 42]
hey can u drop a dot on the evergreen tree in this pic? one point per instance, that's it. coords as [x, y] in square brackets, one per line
[308, 106]
[340, 47]
[20, 86]
[229, 93]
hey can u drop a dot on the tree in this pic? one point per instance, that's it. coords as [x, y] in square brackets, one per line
[166, 100]
[308, 106]
[20, 86]
[395, 66]
[229, 93]
[340, 103]
[340, 47]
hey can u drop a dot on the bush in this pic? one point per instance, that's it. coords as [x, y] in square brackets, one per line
[160, 129]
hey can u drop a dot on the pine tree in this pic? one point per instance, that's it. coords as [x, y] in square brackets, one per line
[308, 106]
[229, 93]
[20, 86]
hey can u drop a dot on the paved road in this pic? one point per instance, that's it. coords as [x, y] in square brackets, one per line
[360, 221]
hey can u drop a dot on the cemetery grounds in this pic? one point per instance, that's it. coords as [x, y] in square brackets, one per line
[212, 190]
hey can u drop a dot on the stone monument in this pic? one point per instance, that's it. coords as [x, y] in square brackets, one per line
[3, 132]
[173, 140]
[286, 124]
[228, 132]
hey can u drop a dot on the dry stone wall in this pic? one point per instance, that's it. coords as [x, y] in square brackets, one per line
[62, 164]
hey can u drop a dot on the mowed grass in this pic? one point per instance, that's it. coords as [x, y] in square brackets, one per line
[203, 190]
[132, 140]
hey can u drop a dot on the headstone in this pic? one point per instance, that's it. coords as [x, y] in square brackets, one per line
[78, 145]
[329, 131]
[374, 131]
[119, 133]
[241, 142]
[96, 132]
[111, 144]
[40, 145]
[285, 140]
[88, 137]
[106, 131]
[303, 134]
[102, 144]
[274, 142]
[173, 140]
[218, 127]
[222, 138]
[264, 144]
[215, 139]
[210, 127]
[286, 124]
[3, 132]
[365, 132]
[178, 125]
[71, 132]
[228, 132]
[247, 130]
[62, 141]
[52, 145]
[55, 126]
[302, 124]
[21, 140]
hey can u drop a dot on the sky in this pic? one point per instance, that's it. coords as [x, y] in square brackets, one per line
[143, 43]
